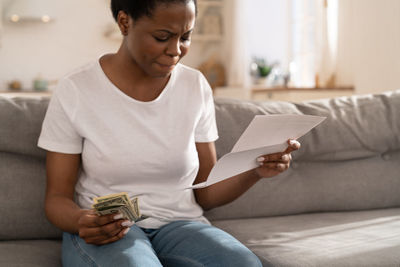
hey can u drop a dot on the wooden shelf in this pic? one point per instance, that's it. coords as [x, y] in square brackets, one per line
[26, 93]
[259, 89]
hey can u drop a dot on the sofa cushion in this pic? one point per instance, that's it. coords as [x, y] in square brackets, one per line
[356, 239]
[352, 156]
[356, 127]
[22, 192]
[315, 186]
[21, 122]
[34, 253]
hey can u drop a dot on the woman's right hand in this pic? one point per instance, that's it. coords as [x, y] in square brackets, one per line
[101, 230]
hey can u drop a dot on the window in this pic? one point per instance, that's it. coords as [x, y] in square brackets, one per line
[303, 42]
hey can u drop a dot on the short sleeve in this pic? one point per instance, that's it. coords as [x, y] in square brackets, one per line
[59, 133]
[206, 128]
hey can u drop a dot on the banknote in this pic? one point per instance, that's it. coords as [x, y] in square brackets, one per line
[119, 203]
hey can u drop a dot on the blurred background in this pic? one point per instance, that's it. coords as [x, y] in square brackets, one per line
[291, 50]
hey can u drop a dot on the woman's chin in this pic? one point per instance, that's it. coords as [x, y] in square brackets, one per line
[163, 71]
[166, 68]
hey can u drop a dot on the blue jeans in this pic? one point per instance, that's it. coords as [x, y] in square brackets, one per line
[181, 243]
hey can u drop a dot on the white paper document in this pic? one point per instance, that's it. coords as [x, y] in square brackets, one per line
[266, 134]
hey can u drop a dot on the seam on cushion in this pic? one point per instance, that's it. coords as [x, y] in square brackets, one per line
[82, 253]
[26, 154]
[182, 258]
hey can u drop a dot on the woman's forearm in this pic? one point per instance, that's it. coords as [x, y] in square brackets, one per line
[63, 212]
[226, 191]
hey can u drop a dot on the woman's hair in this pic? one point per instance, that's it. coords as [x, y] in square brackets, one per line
[139, 8]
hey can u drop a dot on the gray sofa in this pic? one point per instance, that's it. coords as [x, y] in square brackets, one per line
[338, 204]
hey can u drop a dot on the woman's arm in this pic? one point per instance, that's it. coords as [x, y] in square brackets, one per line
[62, 173]
[228, 190]
[61, 210]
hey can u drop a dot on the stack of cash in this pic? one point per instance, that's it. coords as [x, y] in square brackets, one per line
[118, 203]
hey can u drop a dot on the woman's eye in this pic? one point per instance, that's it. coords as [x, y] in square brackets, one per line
[185, 38]
[161, 39]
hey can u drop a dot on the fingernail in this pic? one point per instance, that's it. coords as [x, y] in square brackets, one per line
[127, 223]
[293, 142]
[285, 157]
[126, 231]
[260, 159]
[118, 216]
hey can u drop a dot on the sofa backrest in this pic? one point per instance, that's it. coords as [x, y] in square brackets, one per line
[349, 162]
[22, 170]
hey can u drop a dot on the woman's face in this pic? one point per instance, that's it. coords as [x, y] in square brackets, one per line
[157, 43]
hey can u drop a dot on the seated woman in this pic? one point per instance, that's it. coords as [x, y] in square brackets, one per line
[138, 121]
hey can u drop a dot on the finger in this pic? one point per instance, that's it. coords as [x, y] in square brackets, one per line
[105, 231]
[101, 240]
[293, 146]
[107, 219]
[88, 219]
[276, 157]
[276, 166]
[91, 219]
[111, 229]
[117, 237]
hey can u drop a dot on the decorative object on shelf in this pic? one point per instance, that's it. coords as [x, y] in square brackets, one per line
[209, 21]
[29, 11]
[40, 84]
[278, 77]
[15, 85]
[214, 72]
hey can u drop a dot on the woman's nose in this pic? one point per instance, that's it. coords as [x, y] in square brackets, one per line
[174, 48]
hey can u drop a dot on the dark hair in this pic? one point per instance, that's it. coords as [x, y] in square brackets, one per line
[139, 8]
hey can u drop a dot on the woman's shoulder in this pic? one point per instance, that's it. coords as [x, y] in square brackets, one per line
[191, 78]
[76, 80]
[187, 72]
[82, 72]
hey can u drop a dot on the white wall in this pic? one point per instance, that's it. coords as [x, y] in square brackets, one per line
[267, 29]
[53, 49]
[369, 44]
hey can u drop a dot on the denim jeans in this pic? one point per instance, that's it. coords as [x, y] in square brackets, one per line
[180, 243]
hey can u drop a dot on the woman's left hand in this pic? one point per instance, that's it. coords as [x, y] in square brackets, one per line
[274, 164]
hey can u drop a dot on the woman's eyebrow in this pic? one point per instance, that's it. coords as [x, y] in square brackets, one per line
[166, 31]
[172, 33]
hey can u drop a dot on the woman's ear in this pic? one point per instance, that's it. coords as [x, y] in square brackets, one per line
[123, 22]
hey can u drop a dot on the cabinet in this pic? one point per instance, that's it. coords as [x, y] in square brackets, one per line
[8, 93]
[258, 93]
[208, 41]
[209, 25]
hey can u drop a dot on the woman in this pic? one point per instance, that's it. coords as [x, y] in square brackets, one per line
[137, 121]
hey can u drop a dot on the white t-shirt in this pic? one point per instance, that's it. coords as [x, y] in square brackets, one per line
[144, 148]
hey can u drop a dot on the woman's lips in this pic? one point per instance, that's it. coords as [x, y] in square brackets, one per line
[167, 66]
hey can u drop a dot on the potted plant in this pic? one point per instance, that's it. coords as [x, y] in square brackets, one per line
[260, 70]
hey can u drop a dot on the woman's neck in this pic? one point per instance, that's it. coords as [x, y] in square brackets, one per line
[127, 76]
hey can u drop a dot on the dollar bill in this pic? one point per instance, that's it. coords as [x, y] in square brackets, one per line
[119, 203]
[107, 197]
